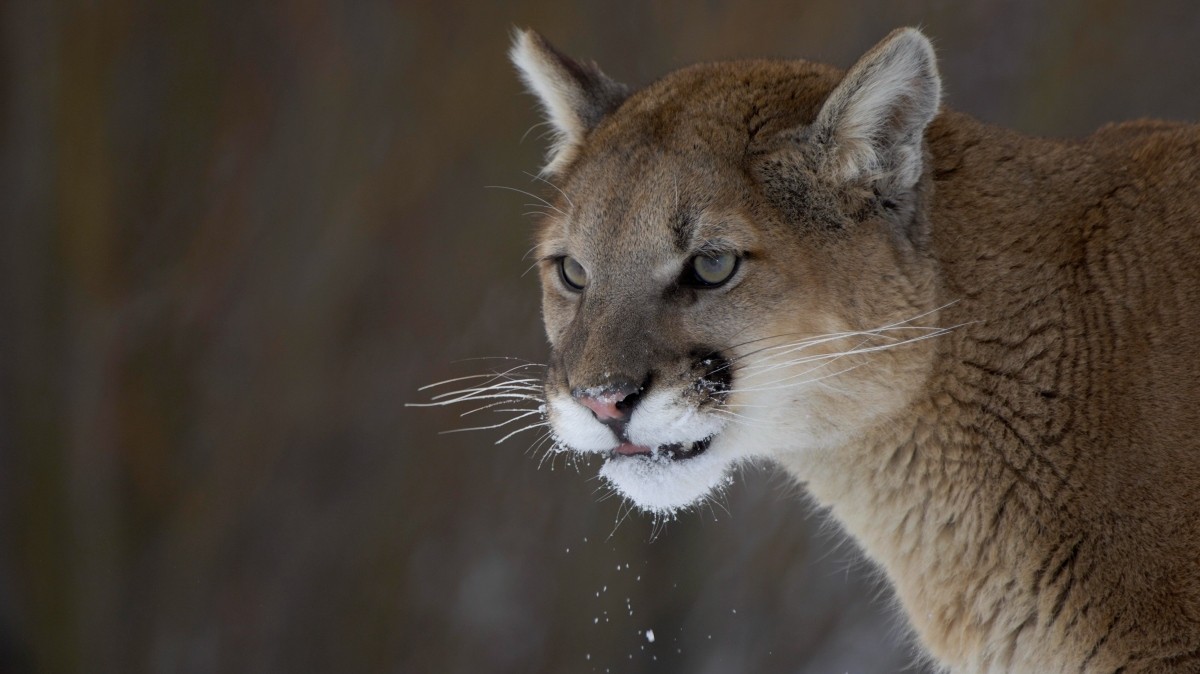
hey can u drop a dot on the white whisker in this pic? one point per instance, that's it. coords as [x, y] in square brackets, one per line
[491, 405]
[857, 350]
[764, 365]
[530, 129]
[537, 446]
[488, 428]
[742, 420]
[818, 339]
[489, 376]
[530, 268]
[564, 194]
[496, 396]
[524, 361]
[778, 385]
[497, 387]
[524, 428]
[528, 194]
[867, 334]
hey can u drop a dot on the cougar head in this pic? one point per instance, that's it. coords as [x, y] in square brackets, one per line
[734, 256]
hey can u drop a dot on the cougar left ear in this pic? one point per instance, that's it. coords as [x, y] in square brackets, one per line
[575, 96]
[872, 127]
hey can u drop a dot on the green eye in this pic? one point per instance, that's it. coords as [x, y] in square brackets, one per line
[711, 270]
[573, 274]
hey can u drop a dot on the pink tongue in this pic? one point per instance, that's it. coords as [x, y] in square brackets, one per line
[628, 449]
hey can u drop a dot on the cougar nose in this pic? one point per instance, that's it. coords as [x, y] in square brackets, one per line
[613, 402]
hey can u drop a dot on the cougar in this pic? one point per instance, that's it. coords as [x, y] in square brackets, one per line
[978, 349]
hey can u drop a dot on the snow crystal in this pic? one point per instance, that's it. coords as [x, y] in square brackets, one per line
[650, 636]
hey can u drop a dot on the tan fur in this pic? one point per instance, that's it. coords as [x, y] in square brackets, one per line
[1029, 481]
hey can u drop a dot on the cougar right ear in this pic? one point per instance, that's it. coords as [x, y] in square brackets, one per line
[575, 96]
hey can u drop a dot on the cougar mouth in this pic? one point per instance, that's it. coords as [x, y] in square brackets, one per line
[676, 451]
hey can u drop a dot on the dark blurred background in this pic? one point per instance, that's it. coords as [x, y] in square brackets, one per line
[235, 238]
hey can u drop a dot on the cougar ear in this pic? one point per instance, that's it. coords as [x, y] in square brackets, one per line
[871, 128]
[574, 96]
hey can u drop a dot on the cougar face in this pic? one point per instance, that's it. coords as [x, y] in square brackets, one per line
[641, 370]
[704, 296]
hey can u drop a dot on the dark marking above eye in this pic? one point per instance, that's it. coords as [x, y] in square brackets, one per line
[681, 230]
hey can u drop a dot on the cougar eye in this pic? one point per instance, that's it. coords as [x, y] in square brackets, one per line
[710, 270]
[573, 274]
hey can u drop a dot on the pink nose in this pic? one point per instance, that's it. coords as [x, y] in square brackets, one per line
[604, 406]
